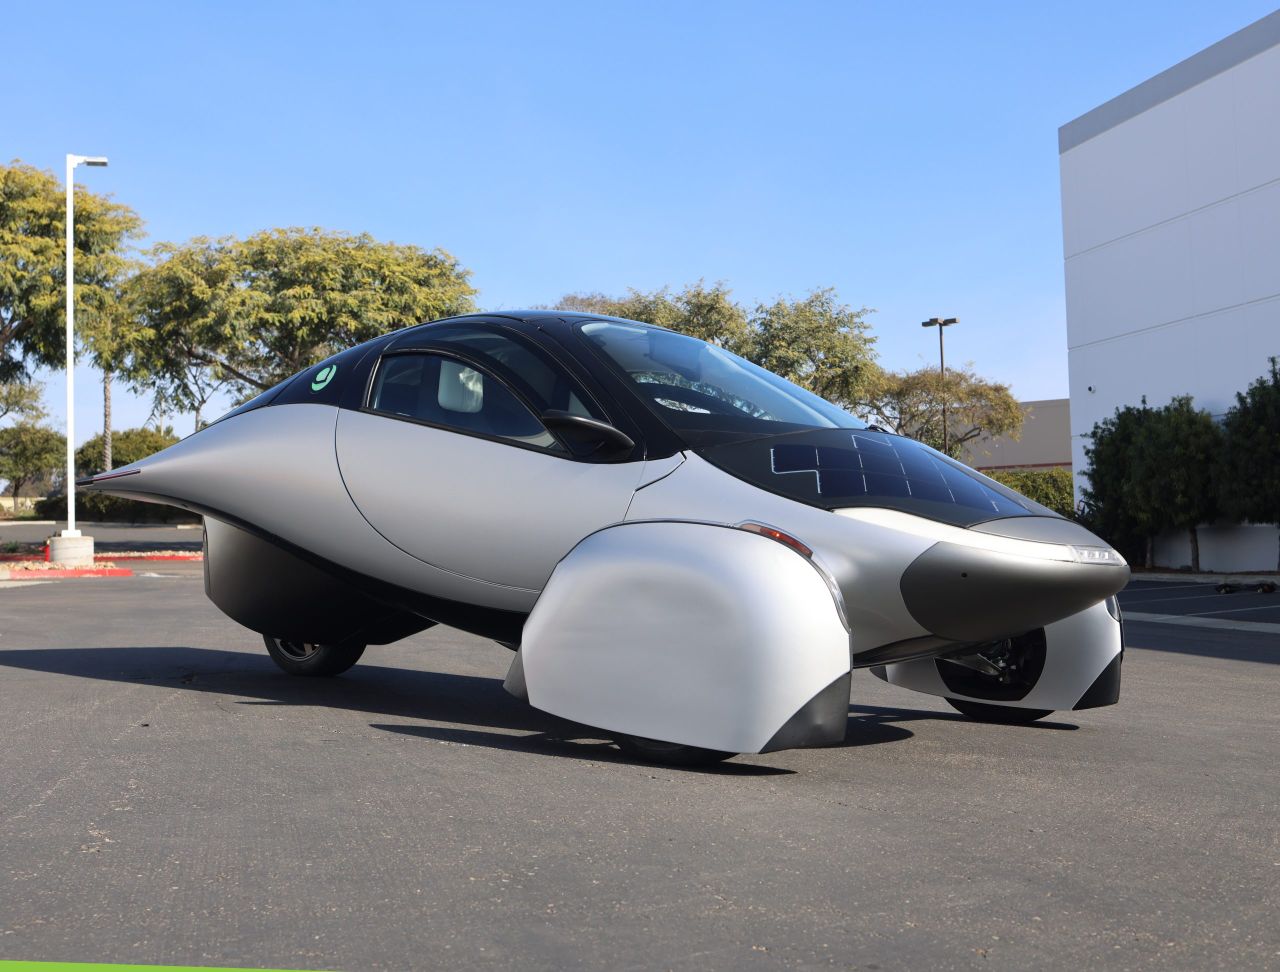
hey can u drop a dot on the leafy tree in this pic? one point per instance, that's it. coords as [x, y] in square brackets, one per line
[1249, 469]
[27, 451]
[1117, 501]
[708, 313]
[22, 400]
[1150, 470]
[1048, 487]
[815, 341]
[131, 445]
[818, 343]
[252, 312]
[910, 403]
[1183, 450]
[33, 267]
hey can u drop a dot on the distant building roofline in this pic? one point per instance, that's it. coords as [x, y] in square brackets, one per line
[1262, 35]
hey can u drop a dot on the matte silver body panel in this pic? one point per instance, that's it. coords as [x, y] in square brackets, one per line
[478, 508]
[1077, 650]
[683, 632]
[865, 560]
[274, 468]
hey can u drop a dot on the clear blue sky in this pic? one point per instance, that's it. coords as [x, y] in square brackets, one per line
[905, 154]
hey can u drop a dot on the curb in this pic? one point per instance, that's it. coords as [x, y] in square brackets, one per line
[1202, 578]
[109, 557]
[63, 573]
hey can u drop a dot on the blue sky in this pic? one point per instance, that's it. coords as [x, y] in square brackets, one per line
[905, 154]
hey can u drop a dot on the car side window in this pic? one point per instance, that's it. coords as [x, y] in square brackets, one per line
[451, 393]
[546, 386]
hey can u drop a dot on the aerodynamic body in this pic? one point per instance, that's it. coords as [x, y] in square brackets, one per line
[683, 550]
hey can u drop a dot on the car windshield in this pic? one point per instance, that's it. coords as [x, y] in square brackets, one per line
[705, 393]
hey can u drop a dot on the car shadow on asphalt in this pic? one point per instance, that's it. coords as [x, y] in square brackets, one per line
[479, 709]
[888, 718]
[474, 705]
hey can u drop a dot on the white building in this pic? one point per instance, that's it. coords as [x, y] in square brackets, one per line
[1171, 236]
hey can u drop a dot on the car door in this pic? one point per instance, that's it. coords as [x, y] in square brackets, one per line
[449, 461]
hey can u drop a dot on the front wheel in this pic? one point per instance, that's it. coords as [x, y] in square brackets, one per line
[669, 754]
[310, 658]
[1005, 714]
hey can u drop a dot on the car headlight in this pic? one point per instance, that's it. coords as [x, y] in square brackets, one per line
[1103, 556]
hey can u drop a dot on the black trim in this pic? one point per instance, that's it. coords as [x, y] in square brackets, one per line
[1105, 689]
[909, 649]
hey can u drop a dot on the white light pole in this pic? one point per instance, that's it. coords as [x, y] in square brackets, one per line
[71, 531]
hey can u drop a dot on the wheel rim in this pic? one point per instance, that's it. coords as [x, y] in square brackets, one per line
[298, 650]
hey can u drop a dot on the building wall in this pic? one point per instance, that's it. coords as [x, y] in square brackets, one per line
[1171, 237]
[1045, 442]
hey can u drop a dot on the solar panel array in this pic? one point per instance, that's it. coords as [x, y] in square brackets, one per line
[878, 465]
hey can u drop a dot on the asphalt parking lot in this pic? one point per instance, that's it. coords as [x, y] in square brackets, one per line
[170, 797]
[1191, 599]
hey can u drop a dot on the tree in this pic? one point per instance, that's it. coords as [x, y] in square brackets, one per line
[1249, 469]
[131, 445]
[1048, 487]
[1117, 503]
[707, 313]
[21, 399]
[33, 265]
[910, 403]
[252, 312]
[29, 450]
[815, 341]
[818, 343]
[1184, 447]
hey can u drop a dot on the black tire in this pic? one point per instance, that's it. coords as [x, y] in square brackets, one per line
[669, 754]
[1003, 714]
[307, 658]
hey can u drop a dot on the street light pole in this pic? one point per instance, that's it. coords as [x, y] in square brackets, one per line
[941, 323]
[72, 162]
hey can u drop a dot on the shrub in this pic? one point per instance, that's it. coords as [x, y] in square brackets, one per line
[1048, 487]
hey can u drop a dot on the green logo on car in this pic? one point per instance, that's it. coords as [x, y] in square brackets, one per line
[323, 377]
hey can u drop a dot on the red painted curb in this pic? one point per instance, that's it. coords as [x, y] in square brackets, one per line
[39, 558]
[64, 573]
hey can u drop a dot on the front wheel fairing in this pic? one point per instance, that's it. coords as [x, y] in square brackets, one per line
[842, 468]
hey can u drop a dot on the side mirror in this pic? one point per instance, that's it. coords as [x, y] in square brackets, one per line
[588, 436]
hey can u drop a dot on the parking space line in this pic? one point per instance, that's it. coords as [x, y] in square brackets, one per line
[1194, 621]
[1161, 588]
[1261, 607]
[1192, 597]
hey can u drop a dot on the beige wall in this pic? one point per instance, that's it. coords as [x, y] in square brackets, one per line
[1045, 441]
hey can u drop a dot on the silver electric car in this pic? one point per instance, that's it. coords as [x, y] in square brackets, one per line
[681, 549]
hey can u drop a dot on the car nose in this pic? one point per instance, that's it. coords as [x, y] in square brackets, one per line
[1010, 576]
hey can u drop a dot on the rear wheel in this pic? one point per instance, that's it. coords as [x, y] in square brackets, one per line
[311, 658]
[1005, 714]
[669, 754]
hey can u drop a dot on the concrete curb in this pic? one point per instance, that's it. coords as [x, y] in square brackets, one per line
[63, 573]
[1189, 578]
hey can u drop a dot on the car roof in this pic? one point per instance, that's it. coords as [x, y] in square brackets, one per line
[529, 317]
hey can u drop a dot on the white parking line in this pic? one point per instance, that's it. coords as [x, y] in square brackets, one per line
[1261, 607]
[1192, 621]
[1192, 597]
[1161, 588]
